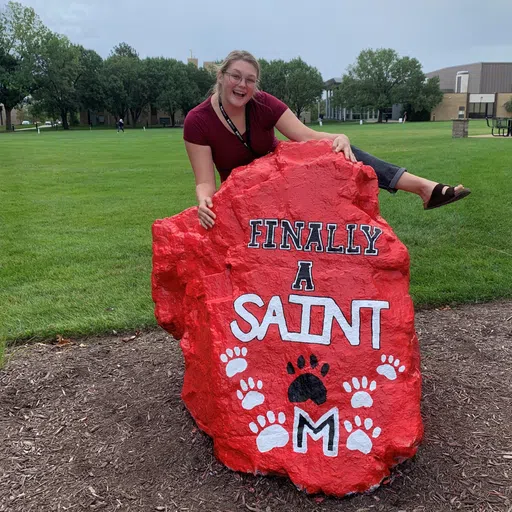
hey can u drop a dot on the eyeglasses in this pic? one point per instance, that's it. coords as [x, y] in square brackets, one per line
[236, 78]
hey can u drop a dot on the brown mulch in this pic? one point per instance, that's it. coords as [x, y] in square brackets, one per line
[98, 424]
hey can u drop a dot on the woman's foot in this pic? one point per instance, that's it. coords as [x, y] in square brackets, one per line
[432, 194]
[441, 195]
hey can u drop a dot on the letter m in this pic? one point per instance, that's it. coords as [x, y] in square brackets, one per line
[327, 427]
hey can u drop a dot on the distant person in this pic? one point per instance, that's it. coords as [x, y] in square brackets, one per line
[405, 117]
[236, 104]
[320, 119]
[120, 125]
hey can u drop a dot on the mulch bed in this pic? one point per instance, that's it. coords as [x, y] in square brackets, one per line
[98, 424]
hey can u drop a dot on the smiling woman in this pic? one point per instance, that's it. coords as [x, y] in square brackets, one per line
[235, 125]
[211, 129]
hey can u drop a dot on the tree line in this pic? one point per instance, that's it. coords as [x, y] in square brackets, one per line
[60, 79]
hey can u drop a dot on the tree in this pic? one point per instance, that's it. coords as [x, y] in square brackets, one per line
[274, 78]
[124, 50]
[304, 85]
[138, 93]
[90, 91]
[39, 110]
[423, 99]
[176, 86]
[116, 75]
[61, 68]
[295, 83]
[200, 82]
[21, 33]
[155, 68]
[380, 78]
[125, 83]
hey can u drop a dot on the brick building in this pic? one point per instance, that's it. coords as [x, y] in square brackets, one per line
[474, 91]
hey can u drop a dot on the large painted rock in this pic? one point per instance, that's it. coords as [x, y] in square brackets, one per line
[295, 322]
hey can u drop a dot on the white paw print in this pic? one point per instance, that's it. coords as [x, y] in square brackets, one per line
[235, 360]
[249, 394]
[361, 397]
[389, 368]
[273, 436]
[360, 440]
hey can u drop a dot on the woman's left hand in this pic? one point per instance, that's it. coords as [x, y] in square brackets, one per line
[341, 143]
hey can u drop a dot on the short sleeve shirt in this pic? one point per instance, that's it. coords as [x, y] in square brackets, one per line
[203, 127]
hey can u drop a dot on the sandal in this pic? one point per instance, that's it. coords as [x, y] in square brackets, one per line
[438, 199]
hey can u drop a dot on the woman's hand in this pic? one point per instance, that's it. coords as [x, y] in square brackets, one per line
[205, 214]
[341, 143]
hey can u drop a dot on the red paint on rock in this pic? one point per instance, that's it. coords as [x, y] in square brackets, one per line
[300, 350]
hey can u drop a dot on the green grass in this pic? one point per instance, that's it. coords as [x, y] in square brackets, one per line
[77, 209]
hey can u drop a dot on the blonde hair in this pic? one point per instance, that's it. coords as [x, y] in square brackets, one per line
[233, 57]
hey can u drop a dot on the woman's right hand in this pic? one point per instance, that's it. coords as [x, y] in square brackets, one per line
[205, 214]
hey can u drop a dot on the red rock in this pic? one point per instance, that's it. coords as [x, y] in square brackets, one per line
[301, 355]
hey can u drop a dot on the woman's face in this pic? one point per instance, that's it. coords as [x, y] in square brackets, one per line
[238, 83]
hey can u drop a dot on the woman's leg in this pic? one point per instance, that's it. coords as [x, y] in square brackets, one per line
[387, 174]
[393, 178]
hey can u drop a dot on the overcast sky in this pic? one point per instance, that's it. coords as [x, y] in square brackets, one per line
[328, 34]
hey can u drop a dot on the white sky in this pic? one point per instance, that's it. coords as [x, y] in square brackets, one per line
[328, 34]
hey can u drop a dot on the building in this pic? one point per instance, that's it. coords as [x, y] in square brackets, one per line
[472, 91]
[332, 112]
[210, 66]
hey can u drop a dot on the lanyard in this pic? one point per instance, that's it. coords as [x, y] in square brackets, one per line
[235, 129]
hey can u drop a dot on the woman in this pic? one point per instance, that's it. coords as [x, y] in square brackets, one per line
[236, 125]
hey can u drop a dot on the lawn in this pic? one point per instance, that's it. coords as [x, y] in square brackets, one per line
[77, 209]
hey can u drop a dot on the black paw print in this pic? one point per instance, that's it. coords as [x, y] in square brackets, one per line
[307, 386]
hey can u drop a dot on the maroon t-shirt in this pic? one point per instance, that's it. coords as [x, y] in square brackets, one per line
[203, 127]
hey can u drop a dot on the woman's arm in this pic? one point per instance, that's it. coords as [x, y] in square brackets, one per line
[291, 127]
[202, 164]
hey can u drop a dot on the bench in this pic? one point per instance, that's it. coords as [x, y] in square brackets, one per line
[502, 126]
